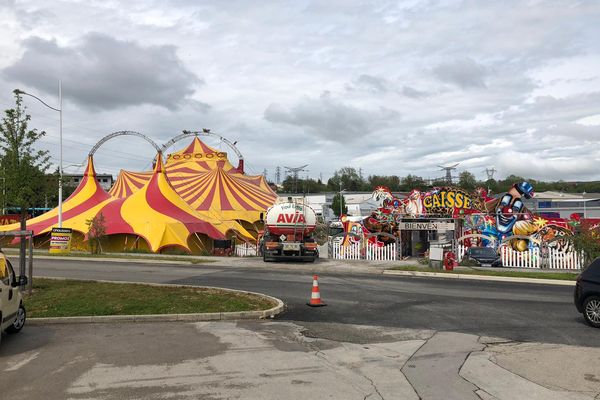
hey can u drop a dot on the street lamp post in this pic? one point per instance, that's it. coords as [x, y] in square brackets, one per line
[60, 166]
[341, 204]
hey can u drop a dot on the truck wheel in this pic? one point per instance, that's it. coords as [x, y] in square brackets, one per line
[265, 259]
[19, 321]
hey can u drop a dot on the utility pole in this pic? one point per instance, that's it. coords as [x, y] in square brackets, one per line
[448, 170]
[490, 173]
[278, 175]
[294, 171]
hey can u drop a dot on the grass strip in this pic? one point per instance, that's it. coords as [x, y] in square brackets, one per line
[71, 298]
[566, 276]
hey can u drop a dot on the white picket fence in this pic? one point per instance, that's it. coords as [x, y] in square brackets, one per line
[362, 251]
[533, 259]
[560, 260]
[520, 259]
[245, 250]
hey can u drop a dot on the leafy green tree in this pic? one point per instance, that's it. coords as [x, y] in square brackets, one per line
[410, 182]
[302, 186]
[22, 166]
[349, 178]
[392, 182]
[467, 181]
[492, 186]
[335, 205]
[587, 241]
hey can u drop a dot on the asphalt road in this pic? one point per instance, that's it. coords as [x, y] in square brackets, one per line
[515, 311]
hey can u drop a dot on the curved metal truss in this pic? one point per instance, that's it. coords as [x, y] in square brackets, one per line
[123, 133]
[203, 132]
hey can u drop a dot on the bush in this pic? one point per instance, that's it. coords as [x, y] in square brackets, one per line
[96, 233]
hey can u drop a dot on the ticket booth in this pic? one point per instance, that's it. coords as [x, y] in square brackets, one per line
[417, 235]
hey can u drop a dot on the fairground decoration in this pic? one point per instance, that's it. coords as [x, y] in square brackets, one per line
[493, 218]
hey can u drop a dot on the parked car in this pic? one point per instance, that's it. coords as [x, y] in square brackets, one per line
[587, 293]
[12, 311]
[484, 256]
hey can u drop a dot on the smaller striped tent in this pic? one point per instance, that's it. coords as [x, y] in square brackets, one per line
[82, 205]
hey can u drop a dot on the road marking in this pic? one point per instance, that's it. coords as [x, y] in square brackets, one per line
[23, 362]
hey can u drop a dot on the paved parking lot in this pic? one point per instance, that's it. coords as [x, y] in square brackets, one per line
[275, 360]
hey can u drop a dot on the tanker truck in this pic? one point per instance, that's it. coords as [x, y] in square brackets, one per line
[289, 228]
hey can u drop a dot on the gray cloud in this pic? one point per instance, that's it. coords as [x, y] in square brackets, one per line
[331, 119]
[372, 83]
[101, 72]
[464, 72]
[413, 93]
[483, 83]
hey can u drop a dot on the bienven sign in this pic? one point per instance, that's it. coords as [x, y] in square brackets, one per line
[427, 226]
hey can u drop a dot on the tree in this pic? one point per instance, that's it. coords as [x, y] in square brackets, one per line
[96, 233]
[392, 182]
[467, 181]
[349, 179]
[410, 182]
[587, 241]
[335, 205]
[23, 167]
[302, 186]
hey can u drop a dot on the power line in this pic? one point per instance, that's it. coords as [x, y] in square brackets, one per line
[295, 171]
[490, 173]
[448, 178]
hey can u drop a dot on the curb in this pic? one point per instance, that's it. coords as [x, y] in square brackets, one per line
[540, 281]
[124, 260]
[192, 317]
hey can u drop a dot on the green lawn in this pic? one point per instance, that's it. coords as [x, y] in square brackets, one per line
[568, 276]
[69, 298]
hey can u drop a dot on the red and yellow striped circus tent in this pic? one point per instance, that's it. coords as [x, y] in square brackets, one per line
[206, 180]
[159, 215]
[153, 217]
[83, 204]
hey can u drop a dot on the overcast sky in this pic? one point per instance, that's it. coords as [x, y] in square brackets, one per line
[389, 87]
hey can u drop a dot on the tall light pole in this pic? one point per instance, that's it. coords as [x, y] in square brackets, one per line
[341, 204]
[584, 206]
[60, 166]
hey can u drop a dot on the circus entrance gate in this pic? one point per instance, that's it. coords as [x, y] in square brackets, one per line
[418, 234]
[373, 247]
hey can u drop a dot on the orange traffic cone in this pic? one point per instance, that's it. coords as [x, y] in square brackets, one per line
[315, 296]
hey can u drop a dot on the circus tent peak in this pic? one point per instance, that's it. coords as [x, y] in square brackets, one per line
[213, 191]
[200, 157]
[82, 205]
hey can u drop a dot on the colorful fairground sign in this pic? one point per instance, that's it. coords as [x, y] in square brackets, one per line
[490, 220]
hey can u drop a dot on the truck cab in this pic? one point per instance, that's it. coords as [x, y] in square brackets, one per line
[12, 311]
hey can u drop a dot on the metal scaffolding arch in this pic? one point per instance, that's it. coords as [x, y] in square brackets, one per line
[123, 133]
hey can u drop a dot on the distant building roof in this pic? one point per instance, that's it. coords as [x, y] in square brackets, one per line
[550, 195]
